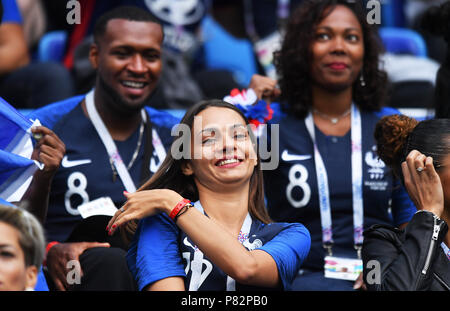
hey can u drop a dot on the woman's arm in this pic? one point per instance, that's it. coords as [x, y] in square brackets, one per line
[405, 261]
[13, 48]
[167, 284]
[256, 267]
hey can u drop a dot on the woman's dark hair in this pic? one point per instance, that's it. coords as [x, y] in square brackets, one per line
[397, 135]
[170, 175]
[436, 20]
[294, 59]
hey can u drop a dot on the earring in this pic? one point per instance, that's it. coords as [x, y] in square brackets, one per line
[361, 80]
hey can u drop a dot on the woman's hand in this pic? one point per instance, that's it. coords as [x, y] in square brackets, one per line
[423, 183]
[264, 87]
[142, 204]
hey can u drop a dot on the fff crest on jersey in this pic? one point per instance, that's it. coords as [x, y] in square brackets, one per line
[375, 171]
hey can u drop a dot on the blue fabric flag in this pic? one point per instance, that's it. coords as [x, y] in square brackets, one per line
[16, 167]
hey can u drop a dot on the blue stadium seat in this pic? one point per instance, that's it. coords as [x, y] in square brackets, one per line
[223, 51]
[392, 13]
[403, 41]
[52, 46]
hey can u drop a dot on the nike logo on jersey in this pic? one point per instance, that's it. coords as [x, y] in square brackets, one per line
[67, 163]
[285, 156]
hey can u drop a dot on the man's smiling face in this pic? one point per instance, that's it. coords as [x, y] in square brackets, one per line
[128, 61]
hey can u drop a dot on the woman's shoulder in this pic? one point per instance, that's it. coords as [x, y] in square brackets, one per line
[286, 229]
[382, 231]
[282, 237]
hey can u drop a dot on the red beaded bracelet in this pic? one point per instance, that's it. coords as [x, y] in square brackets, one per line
[177, 208]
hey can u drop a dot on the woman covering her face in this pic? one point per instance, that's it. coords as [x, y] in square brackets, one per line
[22, 247]
[329, 176]
[225, 241]
[417, 258]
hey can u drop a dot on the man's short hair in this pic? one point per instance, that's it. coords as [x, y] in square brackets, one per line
[130, 13]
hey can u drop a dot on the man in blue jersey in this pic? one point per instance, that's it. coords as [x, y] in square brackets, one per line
[113, 144]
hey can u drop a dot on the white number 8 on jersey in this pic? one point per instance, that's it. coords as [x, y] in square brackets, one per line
[77, 184]
[298, 175]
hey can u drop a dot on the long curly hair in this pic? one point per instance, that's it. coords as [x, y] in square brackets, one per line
[294, 58]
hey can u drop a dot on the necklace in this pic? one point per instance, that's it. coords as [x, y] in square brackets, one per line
[135, 154]
[333, 120]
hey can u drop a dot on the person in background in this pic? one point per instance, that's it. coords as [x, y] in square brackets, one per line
[34, 21]
[329, 177]
[418, 257]
[24, 83]
[22, 249]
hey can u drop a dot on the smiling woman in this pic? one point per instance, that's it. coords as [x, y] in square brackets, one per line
[329, 176]
[227, 228]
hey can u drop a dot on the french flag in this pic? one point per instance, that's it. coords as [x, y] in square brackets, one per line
[16, 147]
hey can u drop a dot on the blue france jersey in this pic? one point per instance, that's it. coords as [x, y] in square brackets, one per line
[160, 250]
[292, 193]
[85, 173]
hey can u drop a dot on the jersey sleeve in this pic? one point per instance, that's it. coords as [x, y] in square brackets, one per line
[403, 209]
[289, 248]
[51, 114]
[154, 253]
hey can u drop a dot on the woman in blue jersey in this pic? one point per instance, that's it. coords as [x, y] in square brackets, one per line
[329, 176]
[225, 241]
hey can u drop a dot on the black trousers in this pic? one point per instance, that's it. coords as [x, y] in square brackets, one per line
[104, 269]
